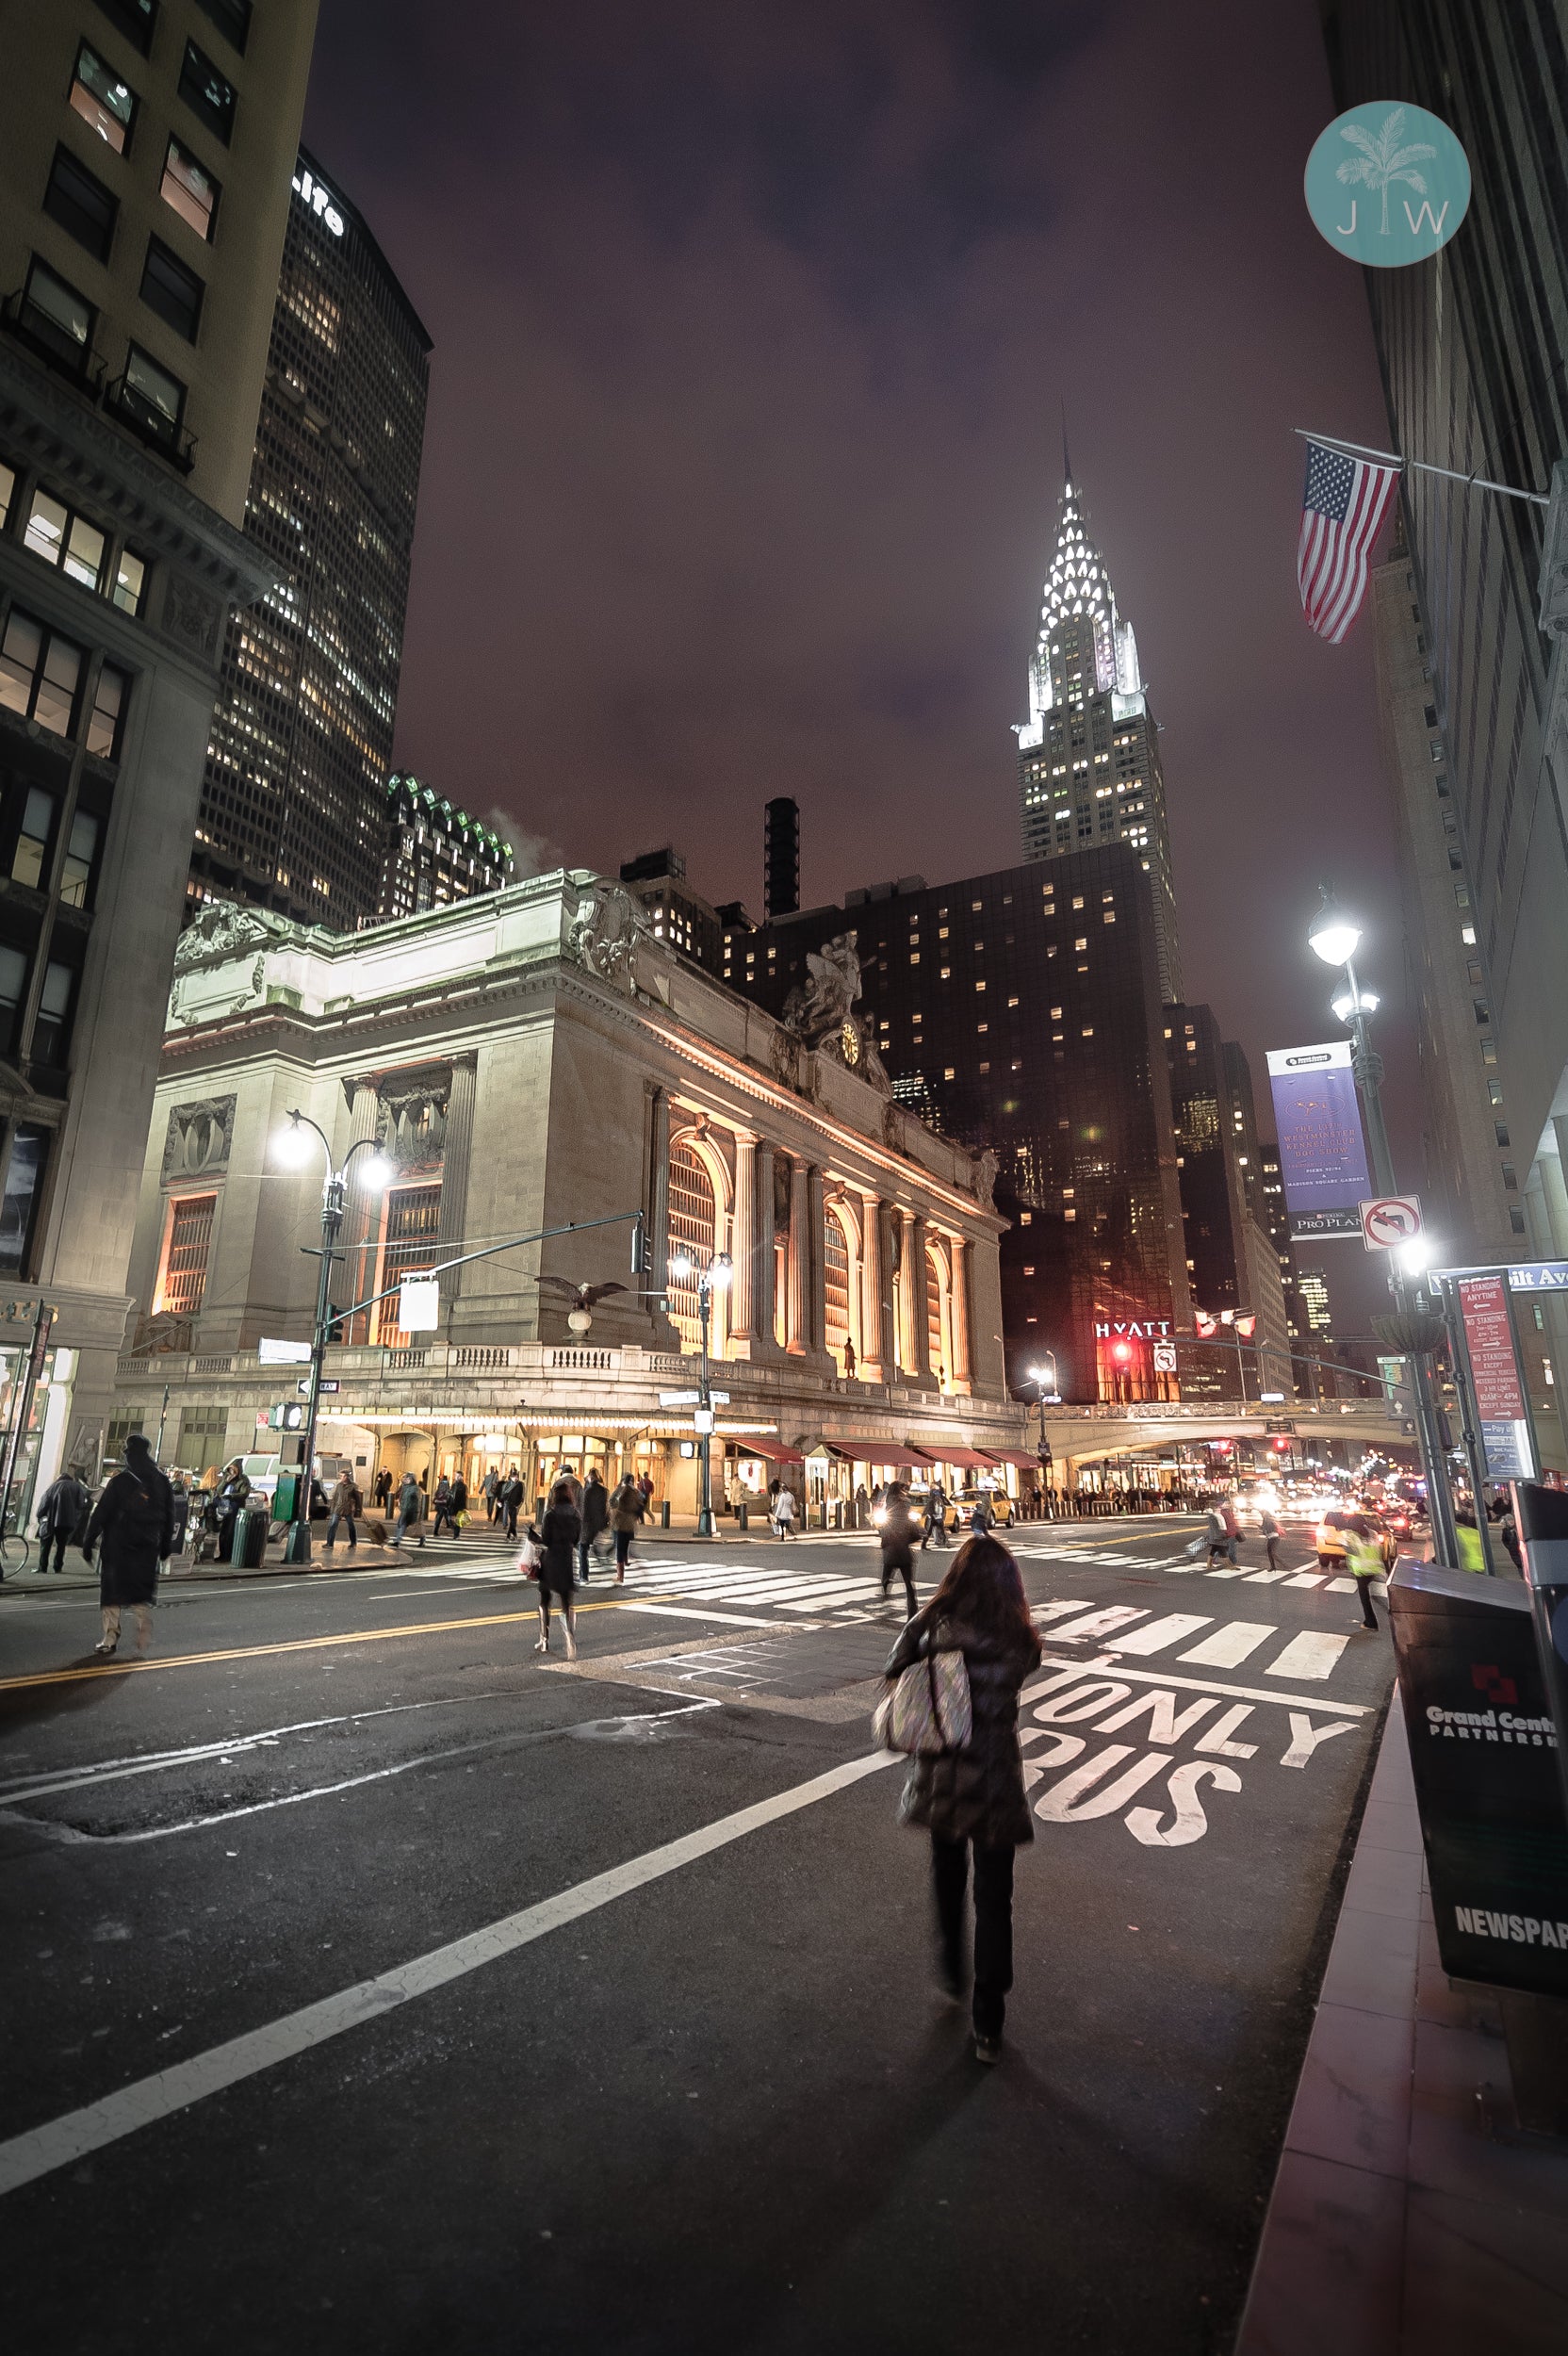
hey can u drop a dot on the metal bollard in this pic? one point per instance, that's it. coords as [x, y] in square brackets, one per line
[742, 1514]
[665, 1514]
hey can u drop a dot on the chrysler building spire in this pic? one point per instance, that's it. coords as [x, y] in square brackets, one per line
[1089, 757]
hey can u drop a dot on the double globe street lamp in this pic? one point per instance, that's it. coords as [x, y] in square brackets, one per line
[292, 1150]
[713, 1279]
[1336, 936]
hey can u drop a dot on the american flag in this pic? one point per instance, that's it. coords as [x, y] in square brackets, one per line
[1342, 511]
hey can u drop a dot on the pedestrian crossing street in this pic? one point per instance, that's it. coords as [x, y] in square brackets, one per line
[1181, 1565]
[821, 1594]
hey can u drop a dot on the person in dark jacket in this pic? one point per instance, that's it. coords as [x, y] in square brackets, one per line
[595, 1508]
[512, 1493]
[134, 1525]
[444, 1507]
[898, 1535]
[628, 1506]
[60, 1508]
[411, 1507]
[974, 1798]
[559, 1532]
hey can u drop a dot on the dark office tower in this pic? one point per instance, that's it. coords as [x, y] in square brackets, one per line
[678, 914]
[144, 161]
[1088, 756]
[781, 856]
[294, 799]
[1021, 1012]
[1471, 345]
[1233, 1260]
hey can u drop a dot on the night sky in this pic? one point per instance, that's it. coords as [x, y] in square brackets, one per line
[753, 328]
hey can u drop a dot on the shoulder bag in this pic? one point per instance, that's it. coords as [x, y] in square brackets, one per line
[929, 1712]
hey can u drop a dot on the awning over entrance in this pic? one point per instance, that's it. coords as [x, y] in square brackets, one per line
[1021, 1457]
[873, 1451]
[965, 1456]
[774, 1450]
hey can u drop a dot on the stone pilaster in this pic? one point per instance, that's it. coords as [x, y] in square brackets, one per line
[743, 1240]
[962, 1369]
[919, 1313]
[454, 1169]
[798, 1268]
[816, 1262]
[659, 1191]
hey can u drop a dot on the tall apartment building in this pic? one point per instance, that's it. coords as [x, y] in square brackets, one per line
[1088, 756]
[1470, 346]
[434, 854]
[1021, 1012]
[293, 811]
[145, 153]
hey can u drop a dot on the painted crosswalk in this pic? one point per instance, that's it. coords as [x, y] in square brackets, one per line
[804, 1592]
[1309, 1656]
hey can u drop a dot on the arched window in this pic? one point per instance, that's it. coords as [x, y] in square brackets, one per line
[693, 1222]
[836, 1286]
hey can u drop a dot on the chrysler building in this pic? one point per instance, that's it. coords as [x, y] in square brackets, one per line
[1089, 755]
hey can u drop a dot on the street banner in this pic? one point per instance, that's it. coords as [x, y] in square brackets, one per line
[420, 1304]
[1483, 1751]
[1494, 1375]
[1322, 1153]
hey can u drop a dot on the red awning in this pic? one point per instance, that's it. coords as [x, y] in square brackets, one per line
[775, 1450]
[941, 1453]
[1018, 1456]
[874, 1451]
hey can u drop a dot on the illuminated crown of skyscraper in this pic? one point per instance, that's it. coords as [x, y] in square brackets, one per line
[1078, 585]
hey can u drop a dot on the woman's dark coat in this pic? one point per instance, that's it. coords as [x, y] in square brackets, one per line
[975, 1793]
[133, 1528]
[595, 1508]
[896, 1533]
[558, 1533]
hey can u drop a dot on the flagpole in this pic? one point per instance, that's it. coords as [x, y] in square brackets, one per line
[1392, 458]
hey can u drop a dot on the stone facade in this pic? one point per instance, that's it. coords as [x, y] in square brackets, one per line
[537, 1059]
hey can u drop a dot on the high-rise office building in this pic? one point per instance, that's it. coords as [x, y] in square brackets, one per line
[1232, 1264]
[1469, 346]
[676, 913]
[433, 854]
[1088, 756]
[293, 811]
[1021, 1012]
[781, 856]
[145, 153]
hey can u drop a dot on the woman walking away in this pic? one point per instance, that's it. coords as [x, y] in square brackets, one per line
[784, 1510]
[444, 1508]
[1270, 1530]
[627, 1506]
[898, 1535]
[557, 1536]
[974, 1798]
[134, 1521]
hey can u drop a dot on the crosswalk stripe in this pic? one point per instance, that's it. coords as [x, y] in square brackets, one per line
[1234, 1570]
[1310, 1657]
[1159, 1633]
[1231, 1644]
[1306, 1578]
[1265, 1578]
[1101, 1623]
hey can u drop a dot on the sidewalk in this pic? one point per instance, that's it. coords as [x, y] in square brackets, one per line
[1410, 2215]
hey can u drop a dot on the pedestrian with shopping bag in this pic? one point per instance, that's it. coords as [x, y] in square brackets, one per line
[554, 1545]
[784, 1510]
[954, 1678]
[133, 1526]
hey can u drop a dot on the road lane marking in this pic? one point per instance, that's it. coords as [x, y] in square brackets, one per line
[1160, 1633]
[1305, 1578]
[318, 1644]
[1265, 1578]
[1064, 1672]
[61, 2141]
[1312, 1654]
[1098, 1623]
[1230, 1645]
[701, 1612]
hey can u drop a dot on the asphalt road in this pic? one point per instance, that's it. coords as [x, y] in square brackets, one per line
[374, 1985]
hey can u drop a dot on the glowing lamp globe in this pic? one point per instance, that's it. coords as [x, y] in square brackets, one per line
[291, 1147]
[1334, 936]
[579, 1320]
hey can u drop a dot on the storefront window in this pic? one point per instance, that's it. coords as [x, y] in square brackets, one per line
[19, 1200]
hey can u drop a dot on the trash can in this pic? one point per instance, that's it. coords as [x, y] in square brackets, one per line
[251, 1524]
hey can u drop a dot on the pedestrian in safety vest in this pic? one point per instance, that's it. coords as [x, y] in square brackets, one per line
[1472, 1555]
[1365, 1562]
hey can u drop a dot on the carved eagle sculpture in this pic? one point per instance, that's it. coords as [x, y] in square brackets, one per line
[580, 1296]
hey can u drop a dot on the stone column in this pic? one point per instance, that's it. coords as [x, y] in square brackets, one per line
[762, 1248]
[454, 1169]
[743, 1240]
[919, 1312]
[798, 1268]
[361, 1206]
[886, 1327]
[816, 1262]
[659, 1192]
[962, 1309]
[870, 1290]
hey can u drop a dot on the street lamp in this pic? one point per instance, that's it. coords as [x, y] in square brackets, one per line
[713, 1279]
[1336, 936]
[1037, 1377]
[292, 1149]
